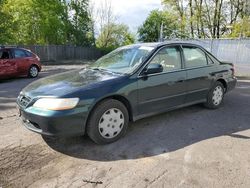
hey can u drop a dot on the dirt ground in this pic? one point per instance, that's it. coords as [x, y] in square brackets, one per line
[189, 147]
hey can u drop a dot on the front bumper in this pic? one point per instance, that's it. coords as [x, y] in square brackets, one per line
[55, 123]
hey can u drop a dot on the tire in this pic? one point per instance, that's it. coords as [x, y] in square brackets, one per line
[33, 71]
[108, 122]
[215, 96]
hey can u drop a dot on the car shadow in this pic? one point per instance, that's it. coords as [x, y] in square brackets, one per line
[167, 132]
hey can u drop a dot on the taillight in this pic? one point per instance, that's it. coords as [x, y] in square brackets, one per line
[233, 70]
[37, 58]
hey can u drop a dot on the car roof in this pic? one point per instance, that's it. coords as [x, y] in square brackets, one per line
[159, 44]
[10, 47]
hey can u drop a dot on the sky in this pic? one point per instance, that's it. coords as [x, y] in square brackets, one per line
[132, 12]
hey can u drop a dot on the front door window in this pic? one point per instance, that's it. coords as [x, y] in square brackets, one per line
[169, 58]
[4, 54]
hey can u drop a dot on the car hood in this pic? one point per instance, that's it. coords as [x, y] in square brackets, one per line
[67, 82]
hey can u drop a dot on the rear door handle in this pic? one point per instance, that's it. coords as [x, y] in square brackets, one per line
[180, 80]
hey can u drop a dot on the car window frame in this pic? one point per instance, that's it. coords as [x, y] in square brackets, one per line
[213, 58]
[1, 54]
[140, 74]
[185, 64]
[27, 52]
[209, 59]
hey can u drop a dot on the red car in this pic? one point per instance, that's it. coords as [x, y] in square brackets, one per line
[16, 62]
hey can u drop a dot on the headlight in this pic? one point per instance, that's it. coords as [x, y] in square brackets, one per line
[56, 103]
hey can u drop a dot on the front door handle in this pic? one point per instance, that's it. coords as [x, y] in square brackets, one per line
[173, 82]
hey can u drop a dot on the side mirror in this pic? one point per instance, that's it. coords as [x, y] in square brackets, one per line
[153, 68]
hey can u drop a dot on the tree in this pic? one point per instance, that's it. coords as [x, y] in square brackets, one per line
[150, 30]
[35, 21]
[45, 22]
[105, 16]
[6, 27]
[81, 23]
[110, 33]
[114, 35]
[241, 29]
[179, 7]
[209, 18]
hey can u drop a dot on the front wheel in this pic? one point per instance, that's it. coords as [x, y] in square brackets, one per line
[33, 71]
[108, 122]
[215, 96]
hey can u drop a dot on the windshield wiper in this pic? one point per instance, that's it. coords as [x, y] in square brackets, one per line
[106, 70]
[100, 69]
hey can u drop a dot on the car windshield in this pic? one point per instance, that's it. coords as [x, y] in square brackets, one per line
[123, 60]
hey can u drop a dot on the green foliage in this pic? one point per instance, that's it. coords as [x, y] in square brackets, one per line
[114, 35]
[6, 27]
[45, 22]
[241, 29]
[150, 30]
[82, 33]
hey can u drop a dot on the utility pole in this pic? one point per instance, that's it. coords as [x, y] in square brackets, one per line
[161, 33]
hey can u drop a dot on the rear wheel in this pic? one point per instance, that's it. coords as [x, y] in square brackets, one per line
[215, 96]
[33, 71]
[108, 122]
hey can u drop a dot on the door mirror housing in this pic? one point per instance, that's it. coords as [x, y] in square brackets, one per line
[153, 68]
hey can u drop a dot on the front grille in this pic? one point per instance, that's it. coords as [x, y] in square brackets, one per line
[23, 100]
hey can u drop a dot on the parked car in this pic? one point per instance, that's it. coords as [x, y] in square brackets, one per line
[16, 62]
[128, 84]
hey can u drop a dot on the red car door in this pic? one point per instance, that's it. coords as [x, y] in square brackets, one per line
[8, 65]
[22, 61]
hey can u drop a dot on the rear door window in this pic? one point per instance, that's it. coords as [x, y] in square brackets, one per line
[19, 53]
[194, 57]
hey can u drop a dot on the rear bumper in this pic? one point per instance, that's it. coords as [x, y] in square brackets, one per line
[231, 83]
[54, 123]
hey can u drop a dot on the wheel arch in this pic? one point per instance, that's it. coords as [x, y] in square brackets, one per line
[33, 64]
[224, 83]
[119, 98]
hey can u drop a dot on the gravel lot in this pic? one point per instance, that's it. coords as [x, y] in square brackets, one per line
[189, 147]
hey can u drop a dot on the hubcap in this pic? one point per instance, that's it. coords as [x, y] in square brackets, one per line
[111, 123]
[33, 71]
[217, 95]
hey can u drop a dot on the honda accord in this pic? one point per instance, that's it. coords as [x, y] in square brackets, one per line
[128, 84]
